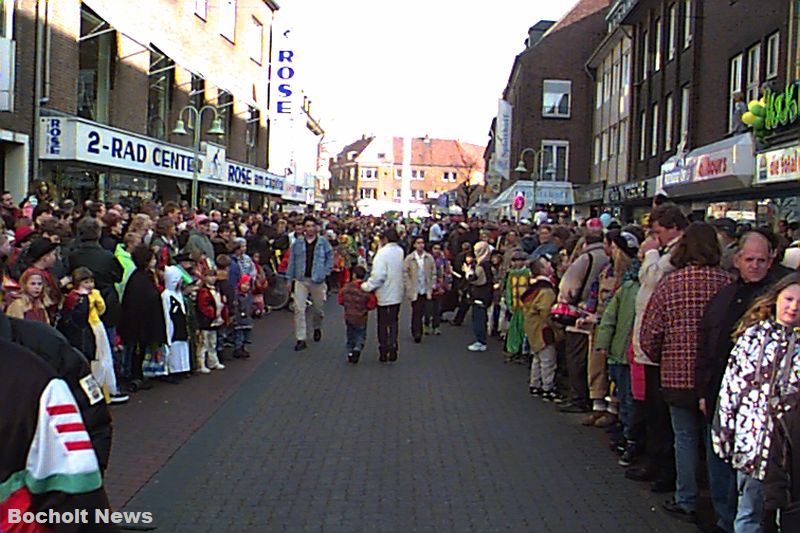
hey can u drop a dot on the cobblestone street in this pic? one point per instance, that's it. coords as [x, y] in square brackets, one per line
[443, 440]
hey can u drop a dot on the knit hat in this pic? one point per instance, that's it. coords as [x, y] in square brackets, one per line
[244, 279]
[626, 242]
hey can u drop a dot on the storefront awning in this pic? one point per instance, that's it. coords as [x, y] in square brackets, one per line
[723, 166]
[547, 192]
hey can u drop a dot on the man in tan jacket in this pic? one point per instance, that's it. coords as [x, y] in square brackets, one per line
[419, 274]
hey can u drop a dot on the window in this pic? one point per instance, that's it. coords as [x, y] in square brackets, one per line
[417, 174]
[598, 97]
[159, 95]
[556, 98]
[381, 155]
[554, 165]
[396, 194]
[596, 149]
[657, 47]
[368, 174]
[753, 72]
[615, 78]
[626, 79]
[251, 133]
[672, 41]
[225, 110]
[352, 173]
[94, 67]
[7, 19]
[642, 134]
[687, 23]
[685, 114]
[623, 138]
[398, 173]
[735, 86]
[612, 141]
[654, 133]
[201, 8]
[227, 19]
[449, 176]
[645, 54]
[197, 96]
[604, 146]
[668, 110]
[257, 43]
[773, 51]
[365, 194]
[607, 87]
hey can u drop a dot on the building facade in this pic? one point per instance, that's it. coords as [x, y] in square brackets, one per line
[372, 169]
[111, 82]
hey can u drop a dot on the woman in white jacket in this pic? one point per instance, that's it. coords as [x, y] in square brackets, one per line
[386, 280]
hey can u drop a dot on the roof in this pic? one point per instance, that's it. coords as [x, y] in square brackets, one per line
[441, 153]
[357, 146]
[581, 10]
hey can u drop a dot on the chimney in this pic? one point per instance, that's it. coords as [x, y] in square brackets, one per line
[537, 31]
[426, 139]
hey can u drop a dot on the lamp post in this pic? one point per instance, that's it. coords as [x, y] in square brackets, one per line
[537, 155]
[194, 123]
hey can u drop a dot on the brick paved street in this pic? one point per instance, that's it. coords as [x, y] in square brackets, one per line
[444, 440]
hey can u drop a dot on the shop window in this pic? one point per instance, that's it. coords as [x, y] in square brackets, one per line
[753, 72]
[657, 46]
[94, 66]
[668, 110]
[773, 52]
[554, 164]
[556, 98]
[257, 42]
[251, 133]
[159, 96]
[672, 38]
[227, 19]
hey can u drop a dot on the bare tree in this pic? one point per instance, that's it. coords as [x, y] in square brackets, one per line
[468, 193]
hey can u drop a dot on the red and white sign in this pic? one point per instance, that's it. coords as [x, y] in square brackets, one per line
[778, 165]
[519, 201]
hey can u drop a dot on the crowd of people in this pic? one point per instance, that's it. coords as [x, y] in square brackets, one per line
[676, 337]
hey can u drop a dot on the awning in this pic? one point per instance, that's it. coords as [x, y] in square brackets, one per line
[127, 15]
[547, 192]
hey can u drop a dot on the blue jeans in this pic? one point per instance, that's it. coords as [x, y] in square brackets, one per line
[126, 361]
[721, 485]
[750, 505]
[240, 337]
[686, 427]
[479, 319]
[621, 377]
[356, 337]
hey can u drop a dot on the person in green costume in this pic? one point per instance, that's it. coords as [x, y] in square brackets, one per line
[516, 283]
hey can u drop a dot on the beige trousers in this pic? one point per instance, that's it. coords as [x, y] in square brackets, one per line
[303, 291]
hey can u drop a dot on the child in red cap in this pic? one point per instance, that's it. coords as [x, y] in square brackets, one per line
[241, 317]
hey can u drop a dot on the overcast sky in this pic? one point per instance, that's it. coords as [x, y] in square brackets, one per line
[433, 67]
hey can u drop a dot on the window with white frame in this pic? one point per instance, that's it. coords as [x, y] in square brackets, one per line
[555, 161]
[607, 86]
[668, 110]
[615, 78]
[734, 86]
[687, 23]
[227, 19]
[370, 194]
[623, 137]
[368, 174]
[753, 72]
[657, 46]
[684, 134]
[201, 8]
[642, 135]
[598, 96]
[417, 174]
[645, 54]
[396, 194]
[556, 98]
[450, 176]
[257, 43]
[604, 146]
[672, 38]
[352, 173]
[773, 52]
[398, 173]
[596, 149]
[654, 132]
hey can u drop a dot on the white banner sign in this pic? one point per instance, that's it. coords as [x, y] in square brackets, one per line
[778, 165]
[67, 138]
[502, 140]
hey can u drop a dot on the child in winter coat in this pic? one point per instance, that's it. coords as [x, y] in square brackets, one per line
[357, 305]
[30, 303]
[241, 317]
[175, 319]
[210, 316]
[83, 308]
[535, 304]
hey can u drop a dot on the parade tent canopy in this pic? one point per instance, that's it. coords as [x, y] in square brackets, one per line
[376, 208]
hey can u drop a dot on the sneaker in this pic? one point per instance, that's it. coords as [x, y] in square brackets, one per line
[219, 366]
[535, 391]
[118, 398]
[437, 331]
[350, 357]
[393, 356]
[301, 345]
[559, 398]
[477, 347]
[356, 355]
[317, 335]
[549, 395]
[676, 511]
[203, 370]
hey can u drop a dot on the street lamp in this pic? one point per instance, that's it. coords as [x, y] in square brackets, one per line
[194, 123]
[537, 155]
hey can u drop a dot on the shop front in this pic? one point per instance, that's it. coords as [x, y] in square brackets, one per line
[631, 202]
[777, 176]
[588, 200]
[555, 198]
[86, 160]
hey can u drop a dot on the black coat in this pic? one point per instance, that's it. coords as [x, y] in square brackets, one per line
[107, 271]
[69, 365]
[714, 344]
[142, 316]
[782, 482]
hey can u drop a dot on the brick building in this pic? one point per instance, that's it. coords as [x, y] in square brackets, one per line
[552, 94]
[371, 168]
[114, 80]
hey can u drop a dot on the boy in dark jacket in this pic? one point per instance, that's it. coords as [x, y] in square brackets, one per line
[241, 313]
[357, 305]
